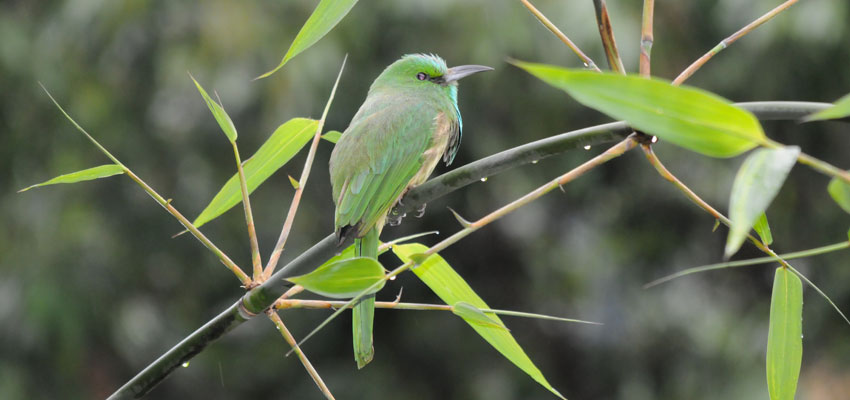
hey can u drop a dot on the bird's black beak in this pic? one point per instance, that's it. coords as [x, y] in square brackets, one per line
[456, 73]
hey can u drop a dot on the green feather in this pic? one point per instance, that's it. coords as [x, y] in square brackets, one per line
[384, 148]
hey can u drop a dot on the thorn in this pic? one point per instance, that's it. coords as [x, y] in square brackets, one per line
[716, 225]
[168, 201]
[464, 223]
[398, 298]
[560, 186]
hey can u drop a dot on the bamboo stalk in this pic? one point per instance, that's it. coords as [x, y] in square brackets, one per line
[606, 32]
[275, 318]
[302, 182]
[646, 37]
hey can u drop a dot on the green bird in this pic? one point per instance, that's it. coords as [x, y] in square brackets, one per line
[408, 122]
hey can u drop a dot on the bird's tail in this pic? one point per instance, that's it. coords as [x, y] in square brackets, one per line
[363, 313]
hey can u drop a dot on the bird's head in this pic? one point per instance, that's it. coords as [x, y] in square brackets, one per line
[421, 71]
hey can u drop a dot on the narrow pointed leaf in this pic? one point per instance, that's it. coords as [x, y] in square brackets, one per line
[85, 175]
[326, 15]
[840, 192]
[293, 182]
[763, 229]
[435, 272]
[283, 144]
[756, 184]
[785, 335]
[839, 109]
[692, 118]
[218, 112]
[332, 136]
[342, 279]
[474, 315]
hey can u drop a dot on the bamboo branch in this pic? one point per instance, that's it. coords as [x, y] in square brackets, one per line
[720, 217]
[729, 40]
[612, 152]
[263, 296]
[275, 318]
[166, 204]
[646, 36]
[256, 262]
[606, 32]
[305, 173]
[557, 32]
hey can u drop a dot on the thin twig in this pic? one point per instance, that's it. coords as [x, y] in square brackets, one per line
[749, 262]
[606, 32]
[554, 29]
[305, 173]
[396, 305]
[653, 159]
[613, 152]
[166, 204]
[646, 36]
[729, 40]
[307, 365]
[256, 261]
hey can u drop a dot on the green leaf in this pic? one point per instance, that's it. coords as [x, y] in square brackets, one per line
[342, 279]
[839, 109]
[435, 272]
[326, 15]
[474, 315]
[756, 184]
[785, 335]
[283, 144]
[218, 112]
[692, 118]
[85, 175]
[295, 184]
[332, 136]
[763, 229]
[840, 192]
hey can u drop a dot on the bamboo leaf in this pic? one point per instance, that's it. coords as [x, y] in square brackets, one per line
[785, 335]
[326, 15]
[692, 118]
[342, 279]
[85, 175]
[295, 184]
[218, 112]
[840, 192]
[839, 109]
[756, 184]
[435, 272]
[474, 315]
[279, 148]
[332, 136]
[763, 229]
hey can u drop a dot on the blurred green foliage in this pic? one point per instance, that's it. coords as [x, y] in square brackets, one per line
[92, 288]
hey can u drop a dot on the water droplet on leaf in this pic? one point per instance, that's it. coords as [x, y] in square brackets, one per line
[587, 147]
[484, 179]
[186, 364]
[535, 161]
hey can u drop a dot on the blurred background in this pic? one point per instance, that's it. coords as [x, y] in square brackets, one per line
[93, 288]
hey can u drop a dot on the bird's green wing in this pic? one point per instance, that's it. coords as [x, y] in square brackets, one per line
[376, 158]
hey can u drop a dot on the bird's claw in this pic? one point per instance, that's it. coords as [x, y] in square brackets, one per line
[420, 211]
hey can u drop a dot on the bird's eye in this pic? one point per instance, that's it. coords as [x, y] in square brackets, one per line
[422, 76]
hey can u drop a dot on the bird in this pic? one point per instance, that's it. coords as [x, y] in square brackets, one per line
[409, 121]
